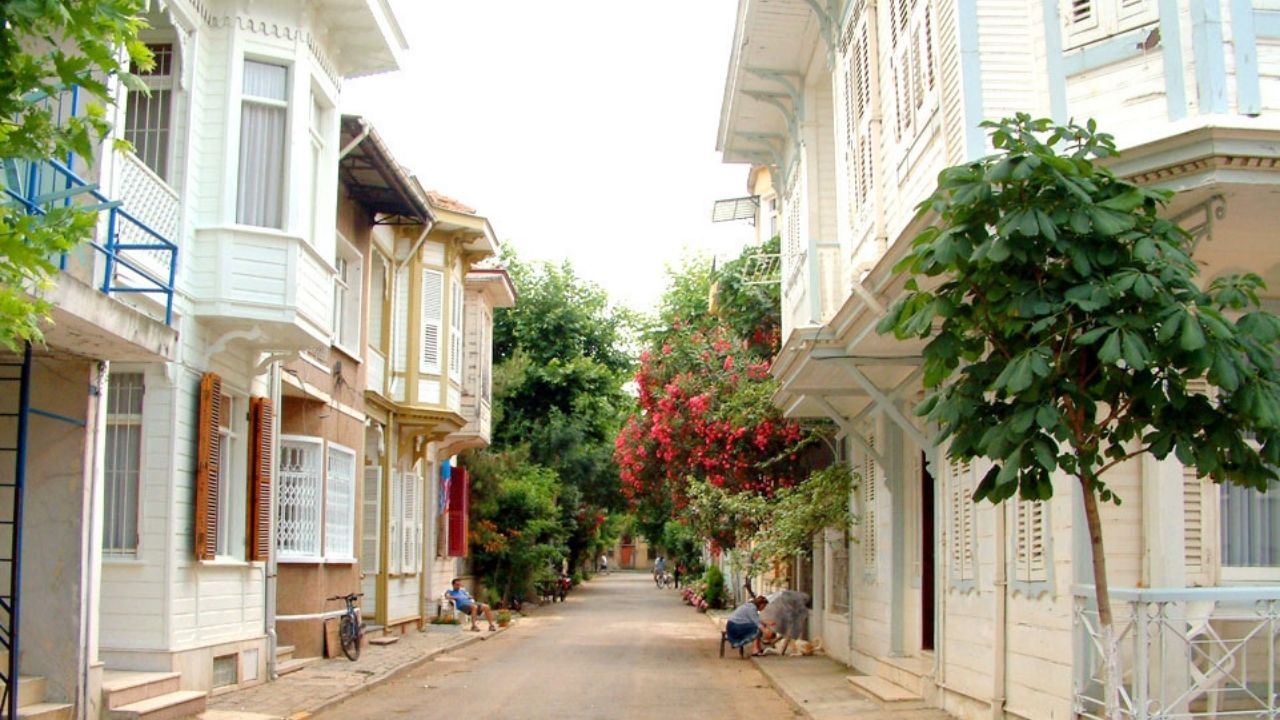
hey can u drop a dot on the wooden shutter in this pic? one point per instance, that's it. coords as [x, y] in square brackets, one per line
[455, 331]
[869, 487]
[459, 509]
[410, 523]
[261, 462]
[962, 523]
[208, 466]
[371, 521]
[431, 312]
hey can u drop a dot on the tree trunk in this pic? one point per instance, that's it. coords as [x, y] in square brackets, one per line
[1102, 593]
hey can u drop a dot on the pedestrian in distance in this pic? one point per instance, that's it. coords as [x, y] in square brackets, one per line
[679, 571]
[604, 564]
[463, 601]
[745, 625]
[659, 570]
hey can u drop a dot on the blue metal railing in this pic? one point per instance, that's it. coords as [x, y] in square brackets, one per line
[38, 186]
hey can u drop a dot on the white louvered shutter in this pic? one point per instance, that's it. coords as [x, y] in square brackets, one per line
[400, 322]
[1031, 561]
[963, 565]
[432, 291]
[371, 521]
[394, 533]
[410, 523]
[870, 484]
[1196, 521]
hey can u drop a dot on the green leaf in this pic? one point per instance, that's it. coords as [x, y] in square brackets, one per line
[1192, 337]
[1110, 351]
[1126, 202]
[1110, 222]
[1136, 354]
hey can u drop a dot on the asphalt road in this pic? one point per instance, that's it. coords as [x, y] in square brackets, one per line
[618, 648]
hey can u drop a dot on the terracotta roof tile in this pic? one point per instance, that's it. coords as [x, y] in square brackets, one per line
[448, 203]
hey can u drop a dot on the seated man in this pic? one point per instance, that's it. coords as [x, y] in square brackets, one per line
[745, 624]
[463, 601]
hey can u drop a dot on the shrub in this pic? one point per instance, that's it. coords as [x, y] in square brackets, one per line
[714, 580]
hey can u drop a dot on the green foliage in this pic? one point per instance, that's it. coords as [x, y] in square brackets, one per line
[714, 592]
[681, 542]
[1067, 330]
[752, 312]
[725, 516]
[561, 363]
[821, 501]
[45, 47]
[516, 532]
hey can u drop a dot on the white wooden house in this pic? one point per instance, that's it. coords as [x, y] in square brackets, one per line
[855, 106]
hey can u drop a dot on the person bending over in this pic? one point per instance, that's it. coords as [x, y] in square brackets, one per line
[463, 601]
[746, 625]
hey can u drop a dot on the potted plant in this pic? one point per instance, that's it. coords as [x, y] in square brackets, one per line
[503, 617]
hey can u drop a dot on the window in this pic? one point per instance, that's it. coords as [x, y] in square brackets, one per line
[1086, 21]
[371, 531]
[122, 464]
[963, 558]
[455, 331]
[1032, 560]
[771, 215]
[432, 316]
[911, 65]
[1250, 522]
[486, 355]
[857, 112]
[394, 535]
[264, 114]
[232, 493]
[839, 591]
[346, 298]
[148, 120]
[378, 276]
[301, 487]
[340, 503]
[316, 131]
[410, 523]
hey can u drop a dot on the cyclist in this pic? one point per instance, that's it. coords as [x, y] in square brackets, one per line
[659, 571]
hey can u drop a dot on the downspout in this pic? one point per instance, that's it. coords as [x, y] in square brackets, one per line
[93, 550]
[270, 569]
[1000, 641]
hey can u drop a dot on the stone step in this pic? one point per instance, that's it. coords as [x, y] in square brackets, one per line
[284, 653]
[907, 672]
[384, 640]
[30, 690]
[170, 706]
[888, 695]
[295, 665]
[45, 711]
[125, 687]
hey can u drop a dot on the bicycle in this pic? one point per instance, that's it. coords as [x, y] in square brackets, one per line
[350, 627]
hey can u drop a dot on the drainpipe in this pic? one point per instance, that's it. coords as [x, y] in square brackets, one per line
[270, 569]
[1000, 640]
[92, 549]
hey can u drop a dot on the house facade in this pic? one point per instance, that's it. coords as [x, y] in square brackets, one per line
[854, 107]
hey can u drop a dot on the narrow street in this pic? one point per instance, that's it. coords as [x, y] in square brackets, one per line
[617, 648]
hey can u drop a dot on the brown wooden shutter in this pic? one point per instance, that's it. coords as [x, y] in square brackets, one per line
[208, 462]
[261, 460]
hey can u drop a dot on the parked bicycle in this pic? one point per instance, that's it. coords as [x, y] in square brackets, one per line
[350, 626]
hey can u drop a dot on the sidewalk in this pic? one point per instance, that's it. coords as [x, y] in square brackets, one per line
[817, 686]
[307, 691]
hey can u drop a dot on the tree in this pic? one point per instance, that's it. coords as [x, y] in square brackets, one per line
[1067, 332]
[46, 47]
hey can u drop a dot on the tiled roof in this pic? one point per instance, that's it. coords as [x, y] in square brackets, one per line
[448, 203]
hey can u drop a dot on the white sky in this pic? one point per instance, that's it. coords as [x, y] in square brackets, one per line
[583, 129]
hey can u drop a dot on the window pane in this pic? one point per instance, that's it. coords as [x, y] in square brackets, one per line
[298, 507]
[122, 464]
[339, 529]
[147, 126]
[264, 80]
[260, 191]
[1250, 527]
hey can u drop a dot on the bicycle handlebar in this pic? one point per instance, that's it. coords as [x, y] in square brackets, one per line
[350, 596]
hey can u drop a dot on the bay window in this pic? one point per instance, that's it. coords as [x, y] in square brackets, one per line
[264, 114]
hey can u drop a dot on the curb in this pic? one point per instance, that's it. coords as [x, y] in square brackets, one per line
[391, 674]
[773, 682]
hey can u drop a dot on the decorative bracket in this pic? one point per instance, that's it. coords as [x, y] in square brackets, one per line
[885, 403]
[1205, 215]
[827, 26]
[850, 431]
[785, 104]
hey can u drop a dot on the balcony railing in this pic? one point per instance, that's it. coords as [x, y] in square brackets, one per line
[134, 256]
[1184, 653]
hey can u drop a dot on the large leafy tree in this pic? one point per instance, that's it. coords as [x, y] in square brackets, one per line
[46, 47]
[1068, 332]
[562, 362]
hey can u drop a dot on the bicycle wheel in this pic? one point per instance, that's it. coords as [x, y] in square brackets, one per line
[349, 635]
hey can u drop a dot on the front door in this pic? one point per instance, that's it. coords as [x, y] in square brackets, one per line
[928, 538]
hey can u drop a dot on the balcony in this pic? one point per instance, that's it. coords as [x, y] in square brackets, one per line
[1185, 653]
[486, 289]
[263, 286]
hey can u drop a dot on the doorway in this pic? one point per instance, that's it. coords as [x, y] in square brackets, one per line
[928, 545]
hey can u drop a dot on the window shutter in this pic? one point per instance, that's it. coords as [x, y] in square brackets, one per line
[1081, 12]
[431, 309]
[400, 322]
[394, 534]
[410, 523]
[208, 470]
[869, 487]
[459, 509]
[1030, 556]
[371, 521]
[1195, 521]
[261, 448]
[962, 523]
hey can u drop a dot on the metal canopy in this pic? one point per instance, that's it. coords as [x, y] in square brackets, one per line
[375, 180]
[742, 208]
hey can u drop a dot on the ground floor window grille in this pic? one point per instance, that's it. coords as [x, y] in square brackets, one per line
[340, 503]
[300, 491]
